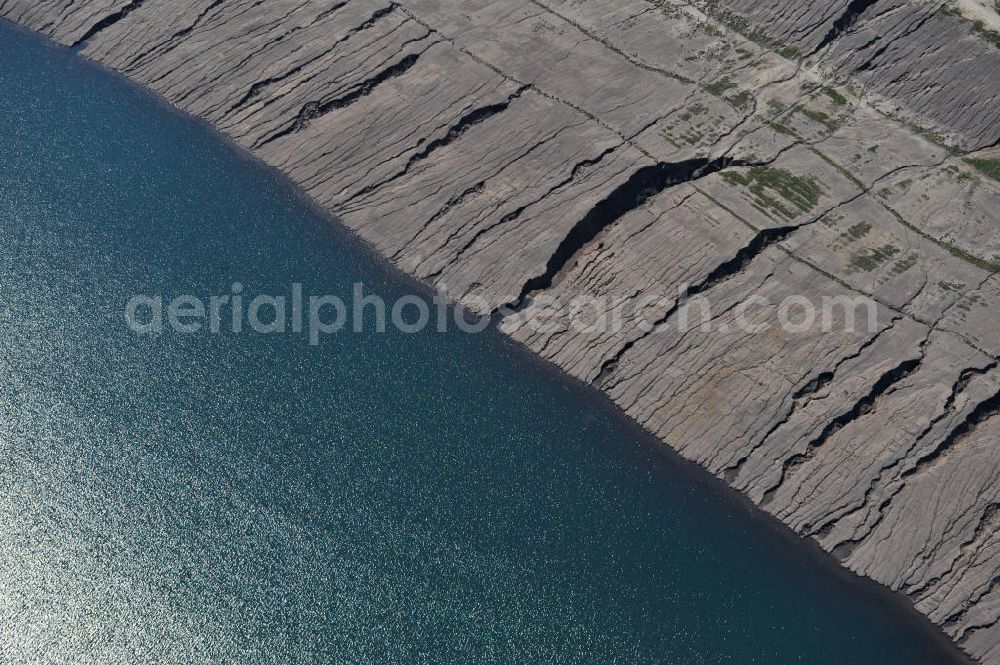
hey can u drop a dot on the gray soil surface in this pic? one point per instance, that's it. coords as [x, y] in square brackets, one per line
[502, 150]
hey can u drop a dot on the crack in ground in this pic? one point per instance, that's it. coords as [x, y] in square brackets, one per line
[107, 22]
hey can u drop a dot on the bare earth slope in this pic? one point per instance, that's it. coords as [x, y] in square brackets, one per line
[508, 149]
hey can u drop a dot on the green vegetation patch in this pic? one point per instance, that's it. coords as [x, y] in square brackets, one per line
[822, 118]
[987, 34]
[777, 191]
[969, 301]
[790, 53]
[720, 87]
[837, 98]
[989, 265]
[858, 231]
[692, 136]
[986, 264]
[903, 265]
[951, 286]
[977, 26]
[741, 100]
[741, 25]
[873, 258]
[961, 175]
[783, 129]
[990, 167]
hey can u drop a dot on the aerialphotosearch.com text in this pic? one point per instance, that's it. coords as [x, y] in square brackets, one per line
[319, 315]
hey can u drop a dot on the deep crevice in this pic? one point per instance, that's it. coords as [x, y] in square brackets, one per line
[818, 383]
[803, 396]
[451, 203]
[108, 21]
[463, 124]
[845, 22]
[170, 43]
[969, 631]
[642, 185]
[721, 273]
[188, 30]
[985, 526]
[315, 109]
[862, 407]
[983, 412]
[479, 188]
[517, 212]
[256, 88]
[992, 145]
[964, 379]
[870, 62]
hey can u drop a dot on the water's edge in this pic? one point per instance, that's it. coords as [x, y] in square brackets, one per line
[810, 552]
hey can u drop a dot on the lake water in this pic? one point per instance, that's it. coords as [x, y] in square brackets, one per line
[380, 497]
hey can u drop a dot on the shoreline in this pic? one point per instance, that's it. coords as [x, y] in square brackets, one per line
[809, 550]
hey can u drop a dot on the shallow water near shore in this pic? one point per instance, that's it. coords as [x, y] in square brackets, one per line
[380, 497]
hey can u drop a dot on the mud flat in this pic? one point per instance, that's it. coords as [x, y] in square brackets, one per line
[505, 150]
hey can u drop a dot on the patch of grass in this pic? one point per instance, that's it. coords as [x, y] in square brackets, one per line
[960, 175]
[783, 129]
[790, 53]
[966, 176]
[933, 137]
[719, 87]
[741, 100]
[844, 172]
[692, 136]
[986, 264]
[990, 167]
[903, 265]
[989, 265]
[980, 29]
[822, 118]
[777, 191]
[741, 25]
[969, 301]
[950, 286]
[837, 98]
[858, 231]
[710, 30]
[873, 258]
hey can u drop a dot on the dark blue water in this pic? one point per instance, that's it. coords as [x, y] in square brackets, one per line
[377, 498]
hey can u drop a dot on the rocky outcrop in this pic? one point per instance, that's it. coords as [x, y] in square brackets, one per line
[923, 59]
[521, 153]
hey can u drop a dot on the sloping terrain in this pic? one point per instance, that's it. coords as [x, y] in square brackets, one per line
[518, 152]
